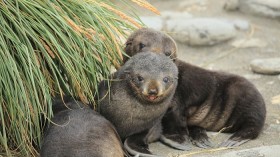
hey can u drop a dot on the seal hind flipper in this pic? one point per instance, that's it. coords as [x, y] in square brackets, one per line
[243, 135]
[199, 137]
[233, 143]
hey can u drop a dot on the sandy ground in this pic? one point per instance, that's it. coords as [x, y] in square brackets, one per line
[234, 60]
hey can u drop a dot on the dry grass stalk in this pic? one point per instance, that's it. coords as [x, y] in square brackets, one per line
[88, 32]
[121, 14]
[73, 25]
[81, 93]
[50, 52]
[146, 5]
[115, 41]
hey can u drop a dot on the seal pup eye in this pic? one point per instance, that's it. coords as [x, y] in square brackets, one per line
[140, 78]
[168, 53]
[141, 46]
[165, 79]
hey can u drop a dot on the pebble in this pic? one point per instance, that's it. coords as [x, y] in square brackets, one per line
[269, 66]
[200, 31]
[267, 8]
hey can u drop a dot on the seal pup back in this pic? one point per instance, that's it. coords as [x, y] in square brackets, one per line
[79, 131]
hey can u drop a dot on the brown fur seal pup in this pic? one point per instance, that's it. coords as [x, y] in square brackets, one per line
[146, 39]
[80, 132]
[139, 95]
[204, 99]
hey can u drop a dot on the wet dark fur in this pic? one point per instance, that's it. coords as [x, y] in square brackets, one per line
[215, 100]
[80, 132]
[127, 104]
[204, 99]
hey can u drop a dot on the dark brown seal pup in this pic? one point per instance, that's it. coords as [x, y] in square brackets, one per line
[146, 39]
[139, 95]
[79, 131]
[204, 99]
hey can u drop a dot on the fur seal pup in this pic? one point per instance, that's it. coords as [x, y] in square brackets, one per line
[140, 93]
[79, 131]
[204, 99]
[146, 39]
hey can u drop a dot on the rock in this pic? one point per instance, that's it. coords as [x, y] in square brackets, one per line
[154, 22]
[270, 66]
[247, 43]
[167, 15]
[241, 25]
[231, 5]
[200, 31]
[268, 8]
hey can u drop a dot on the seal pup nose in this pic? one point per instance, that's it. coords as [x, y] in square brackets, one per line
[153, 91]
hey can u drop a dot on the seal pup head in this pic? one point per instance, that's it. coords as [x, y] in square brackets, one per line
[147, 39]
[152, 77]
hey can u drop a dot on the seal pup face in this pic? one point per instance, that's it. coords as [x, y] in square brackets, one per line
[152, 89]
[152, 77]
[147, 39]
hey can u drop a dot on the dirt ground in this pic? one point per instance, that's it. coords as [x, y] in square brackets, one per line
[234, 60]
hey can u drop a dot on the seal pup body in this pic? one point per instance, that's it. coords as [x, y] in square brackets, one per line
[79, 131]
[216, 100]
[204, 99]
[139, 95]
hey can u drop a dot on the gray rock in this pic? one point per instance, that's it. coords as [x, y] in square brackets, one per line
[200, 31]
[154, 22]
[268, 8]
[167, 15]
[241, 25]
[270, 66]
[231, 5]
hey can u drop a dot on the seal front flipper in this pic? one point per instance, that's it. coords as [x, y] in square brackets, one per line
[199, 137]
[177, 141]
[137, 146]
[174, 130]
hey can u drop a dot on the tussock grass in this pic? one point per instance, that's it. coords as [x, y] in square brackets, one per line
[52, 48]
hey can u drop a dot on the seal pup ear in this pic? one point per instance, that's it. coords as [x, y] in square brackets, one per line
[128, 44]
[127, 49]
[125, 75]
